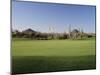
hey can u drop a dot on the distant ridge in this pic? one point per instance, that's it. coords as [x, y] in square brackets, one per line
[29, 31]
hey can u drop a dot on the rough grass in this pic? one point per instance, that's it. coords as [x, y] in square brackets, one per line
[34, 56]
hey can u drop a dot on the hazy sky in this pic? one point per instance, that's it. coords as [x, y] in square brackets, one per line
[41, 16]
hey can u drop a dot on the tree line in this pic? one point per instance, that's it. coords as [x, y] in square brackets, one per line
[31, 34]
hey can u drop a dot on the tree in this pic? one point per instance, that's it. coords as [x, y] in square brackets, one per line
[74, 34]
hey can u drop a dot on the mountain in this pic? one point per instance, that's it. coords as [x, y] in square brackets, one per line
[29, 31]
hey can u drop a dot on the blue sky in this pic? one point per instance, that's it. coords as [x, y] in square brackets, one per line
[41, 16]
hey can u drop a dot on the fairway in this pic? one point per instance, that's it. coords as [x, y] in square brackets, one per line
[53, 47]
[52, 55]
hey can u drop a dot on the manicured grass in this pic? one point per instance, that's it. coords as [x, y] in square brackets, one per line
[53, 47]
[37, 64]
[32, 56]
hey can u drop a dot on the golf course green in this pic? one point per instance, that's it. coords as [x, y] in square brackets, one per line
[35, 56]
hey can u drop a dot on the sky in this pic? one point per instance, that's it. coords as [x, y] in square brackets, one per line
[45, 17]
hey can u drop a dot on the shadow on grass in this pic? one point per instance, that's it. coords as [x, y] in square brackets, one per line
[37, 64]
